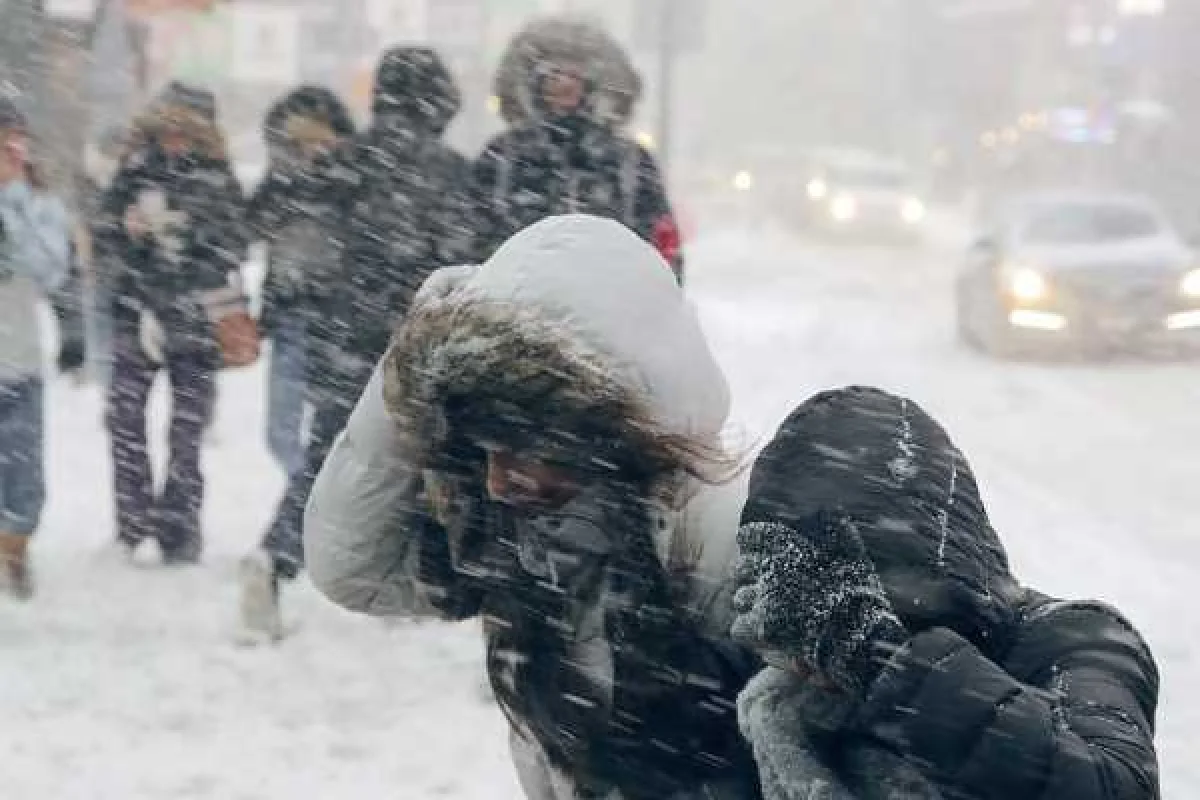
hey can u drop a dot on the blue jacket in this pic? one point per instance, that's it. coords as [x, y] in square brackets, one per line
[34, 260]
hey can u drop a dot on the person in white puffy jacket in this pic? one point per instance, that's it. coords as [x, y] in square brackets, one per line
[541, 447]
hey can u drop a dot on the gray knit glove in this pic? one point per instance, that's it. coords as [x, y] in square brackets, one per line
[812, 598]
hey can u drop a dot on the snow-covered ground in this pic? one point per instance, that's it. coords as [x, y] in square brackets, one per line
[123, 682]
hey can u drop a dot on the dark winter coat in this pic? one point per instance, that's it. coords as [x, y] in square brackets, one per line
[1001, 693]
[578, 163]
[571, 167]
[606, 621]
[298, 213]
[205, 242]
[406, 196]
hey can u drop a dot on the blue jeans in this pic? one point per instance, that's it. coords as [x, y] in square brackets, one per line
[22, 473]
[98, 325]
[287, 379]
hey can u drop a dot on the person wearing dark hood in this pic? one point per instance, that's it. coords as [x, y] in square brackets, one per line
[566, 89]
[907, 661]
[172, 220]
[405, 202]
[294, 214]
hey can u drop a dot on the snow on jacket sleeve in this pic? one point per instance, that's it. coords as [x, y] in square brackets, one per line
[366, 519]
[39, 239]
[222, 232]
[1083, 731]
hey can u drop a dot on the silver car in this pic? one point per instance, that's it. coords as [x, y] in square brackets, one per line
[1073, 271]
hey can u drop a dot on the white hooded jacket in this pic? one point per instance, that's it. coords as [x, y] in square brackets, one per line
[619, 301]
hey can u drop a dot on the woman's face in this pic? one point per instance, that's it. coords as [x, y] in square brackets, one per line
[563, 89]
[527, 483]
[14, 154]
[175, 142]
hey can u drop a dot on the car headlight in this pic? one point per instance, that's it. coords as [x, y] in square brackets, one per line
[743, 181]
[1190, 285]
[913, 211]
[843, 208]
[1026, 283]
[817, 189]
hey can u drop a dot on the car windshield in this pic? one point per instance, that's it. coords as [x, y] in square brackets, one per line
[1089, 223]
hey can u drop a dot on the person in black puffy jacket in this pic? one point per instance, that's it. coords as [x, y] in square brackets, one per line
[172, 221]
[567, 89]
[907, 661]
[403, 212]
[294, 214]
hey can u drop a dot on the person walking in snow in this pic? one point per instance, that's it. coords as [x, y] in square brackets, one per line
[172, 218]
[404, 199]
[567, 90]
[540, 449]
[34, 260]
[294, 214]
[907, 661]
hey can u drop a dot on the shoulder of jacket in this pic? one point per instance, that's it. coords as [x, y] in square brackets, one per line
[1050, 611]
[1052, 633]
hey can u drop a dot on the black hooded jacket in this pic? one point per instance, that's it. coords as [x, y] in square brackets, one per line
[406, 196]
[579, 162]
[294, 211]
[205, 243]
[1001, 693]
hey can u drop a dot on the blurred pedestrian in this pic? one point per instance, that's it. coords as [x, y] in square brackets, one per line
[909, 663]
[567, 90]
[173, 221]
[298, 218]
[404, 198]
[34, 253]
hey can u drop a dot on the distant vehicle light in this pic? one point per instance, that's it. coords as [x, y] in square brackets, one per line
[1027, 284]
[844, 208]
[1038, 320]
[493, 104]
[913, 211]
[1190, 285]
[817, 189]
[989, 139]
[647, 140]
[743, 181]
[1184, 320]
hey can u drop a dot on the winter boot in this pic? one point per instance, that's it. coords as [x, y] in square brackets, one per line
[16, 577]
[260, 615]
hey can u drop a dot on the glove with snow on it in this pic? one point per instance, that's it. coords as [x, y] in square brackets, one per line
[812, 600]
[152, 337]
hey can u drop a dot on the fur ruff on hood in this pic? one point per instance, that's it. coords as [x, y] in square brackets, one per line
[614, 84]
[575, 328]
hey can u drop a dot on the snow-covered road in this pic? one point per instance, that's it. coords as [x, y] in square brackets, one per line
[123, 683]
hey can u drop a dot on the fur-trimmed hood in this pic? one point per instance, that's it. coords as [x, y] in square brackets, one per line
[574, 316]
[614, 85]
